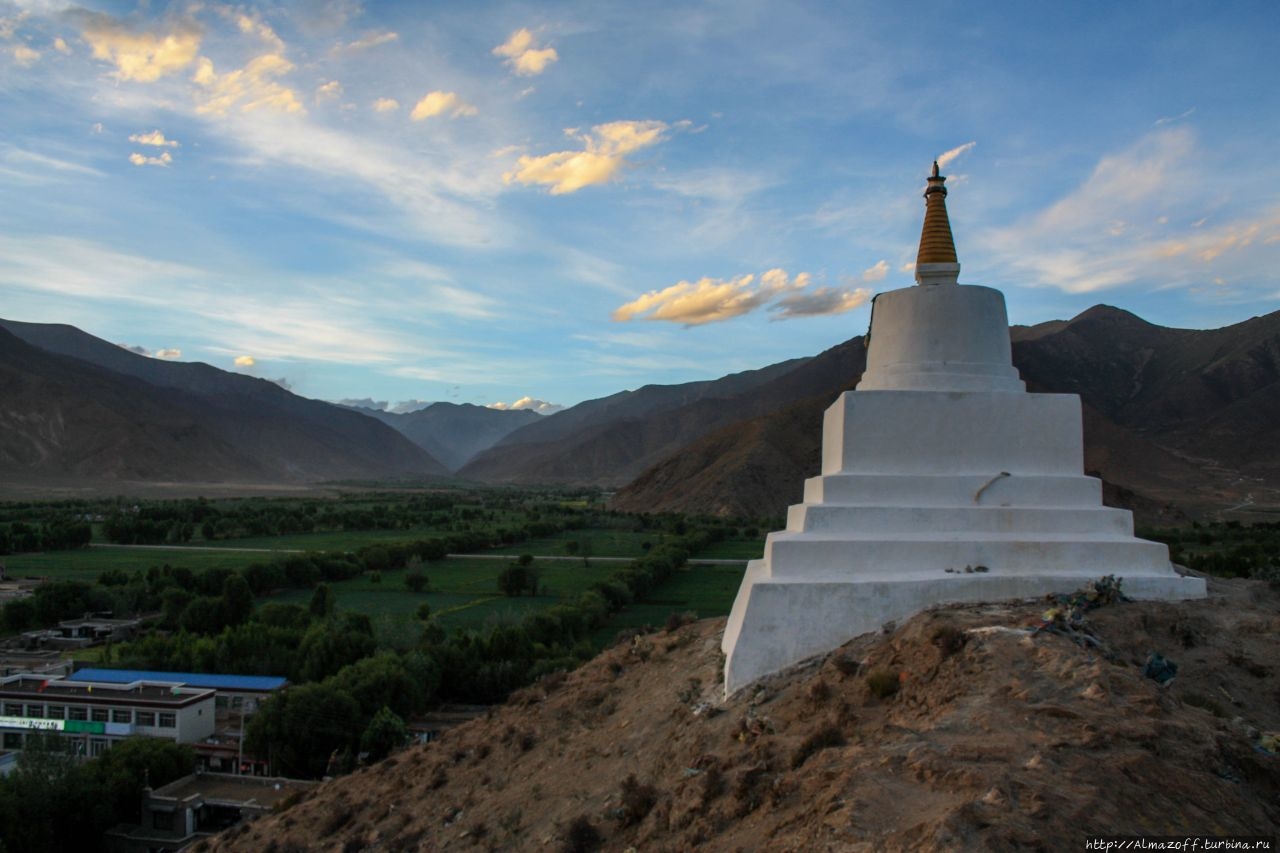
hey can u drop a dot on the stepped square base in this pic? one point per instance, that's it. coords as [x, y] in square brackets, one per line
[776, 623]
[917, 486]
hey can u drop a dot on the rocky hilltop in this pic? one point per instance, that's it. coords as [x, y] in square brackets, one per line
[960, 729]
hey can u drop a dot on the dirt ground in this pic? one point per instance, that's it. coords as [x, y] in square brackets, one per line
[960, 729]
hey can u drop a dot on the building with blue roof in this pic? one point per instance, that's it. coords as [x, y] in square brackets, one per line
[232, 690]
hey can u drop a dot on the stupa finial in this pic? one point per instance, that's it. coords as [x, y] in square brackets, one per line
[936, 261]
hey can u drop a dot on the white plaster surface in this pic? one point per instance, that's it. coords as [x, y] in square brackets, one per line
[939, 462]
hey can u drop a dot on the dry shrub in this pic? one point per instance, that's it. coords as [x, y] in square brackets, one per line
[638, 799]
[553, 680]
[818, 692]
[749, 789]
[581, 836]
[949, 639]
[846, 665]
[827, 736]
[676, 621]
[439, 778]
[337, 819]
[882, 683]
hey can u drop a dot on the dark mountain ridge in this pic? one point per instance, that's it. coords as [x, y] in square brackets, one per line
[1173, 415]
[266, 434]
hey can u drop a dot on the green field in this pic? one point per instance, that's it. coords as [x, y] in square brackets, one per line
[706, 591]
[733, 549]
[463, 593]
[330, 540]
[87, 563]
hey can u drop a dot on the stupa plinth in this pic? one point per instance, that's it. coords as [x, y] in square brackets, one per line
[943, 481]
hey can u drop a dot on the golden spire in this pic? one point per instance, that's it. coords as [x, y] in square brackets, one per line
[936, 262]
[936, 244]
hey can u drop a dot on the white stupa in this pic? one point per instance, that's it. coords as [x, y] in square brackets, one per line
[942, 480]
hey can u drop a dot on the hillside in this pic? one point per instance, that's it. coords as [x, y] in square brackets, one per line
[621, 436]
[175, 421]
[995, 740]
[1171, 417]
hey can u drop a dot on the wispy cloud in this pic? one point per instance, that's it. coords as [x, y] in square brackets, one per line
[711, 300]
[603, 154]
[25, 56]
[367, 41]
[253, 87]
[1114, 230]
[945, 158]
[441, 103]
[386, 105]
[1163, 120]
[523, 56]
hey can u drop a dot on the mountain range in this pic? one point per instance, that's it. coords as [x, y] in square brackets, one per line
[75, 406]
[1171, 417]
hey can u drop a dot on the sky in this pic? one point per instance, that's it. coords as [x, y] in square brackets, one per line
[534, 204]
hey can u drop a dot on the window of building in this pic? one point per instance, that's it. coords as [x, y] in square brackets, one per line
[98, 715]
[97, 746]
[36, 711]
[13, 740]
[162, 820]
[168, 721]
[125, 716]
[146, 718]
[57, 712]
[12, 709]
[76, 712]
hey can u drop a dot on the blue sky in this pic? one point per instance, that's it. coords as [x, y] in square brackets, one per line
[488, 202]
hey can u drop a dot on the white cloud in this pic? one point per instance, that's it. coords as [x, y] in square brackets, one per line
[164, 159]
[523, 56]
[155, 138]
[945, 158]
[141, 56]
[25, 56]
[330, 91]
[542, 407]
[1163, 120]
[364, 403]
[367, 41]
[61, 46]
[245, 361]
[250, 88]
[386, 105]
[252, 24]
[167, 354]
[820, 301]
[439, 103]
[876, 272]
[711, 300]
[1075, 244]
[604, 153]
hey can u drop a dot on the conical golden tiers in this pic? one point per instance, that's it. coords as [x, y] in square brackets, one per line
[936, 243]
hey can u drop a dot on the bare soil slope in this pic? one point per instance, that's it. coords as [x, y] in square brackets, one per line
[995, 740]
